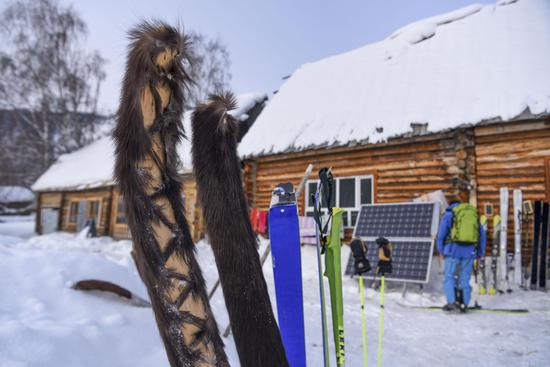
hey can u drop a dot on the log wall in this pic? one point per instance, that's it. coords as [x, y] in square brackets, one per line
[193, 211]
[512, 155]
[403, 169]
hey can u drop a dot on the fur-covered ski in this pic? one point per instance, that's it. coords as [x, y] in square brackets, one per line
[148, 128]
[220, 189]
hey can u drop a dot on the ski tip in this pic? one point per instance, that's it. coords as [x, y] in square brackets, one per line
[492, 291]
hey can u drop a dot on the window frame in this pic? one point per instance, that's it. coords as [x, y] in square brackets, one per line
[70, 218]
[119, 202]
[89, 202]
[348, 210]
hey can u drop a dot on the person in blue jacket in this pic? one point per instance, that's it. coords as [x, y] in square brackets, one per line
[457, 258]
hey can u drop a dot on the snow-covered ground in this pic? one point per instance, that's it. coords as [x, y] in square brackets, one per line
[15, 228]
[43, 322]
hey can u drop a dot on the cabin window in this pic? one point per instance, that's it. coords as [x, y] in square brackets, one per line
[73, 212]
[121, 212]
[94, 210]
[349, 193]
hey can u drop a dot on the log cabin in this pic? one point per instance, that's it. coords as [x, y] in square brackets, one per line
[449, 103]
[80, 186]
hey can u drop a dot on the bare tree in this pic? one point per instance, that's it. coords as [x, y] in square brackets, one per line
[48, 80]
[209, 69]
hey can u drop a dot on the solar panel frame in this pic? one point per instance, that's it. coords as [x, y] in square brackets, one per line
[427, 235]
[434, 221]
[396, 275]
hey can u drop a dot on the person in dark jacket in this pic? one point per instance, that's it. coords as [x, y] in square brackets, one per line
[458, 258]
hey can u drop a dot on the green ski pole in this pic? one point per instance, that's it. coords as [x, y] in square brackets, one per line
[361, 266]
[384, 267]
[381, 321]
[363, 321]
[320, 239]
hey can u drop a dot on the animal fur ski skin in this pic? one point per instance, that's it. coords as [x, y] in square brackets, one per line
[148, 128]
[220, 190]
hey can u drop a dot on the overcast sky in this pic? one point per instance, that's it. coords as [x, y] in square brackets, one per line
[267, 39]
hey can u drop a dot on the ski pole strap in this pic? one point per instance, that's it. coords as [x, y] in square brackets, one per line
[327, 181]
[317, 216]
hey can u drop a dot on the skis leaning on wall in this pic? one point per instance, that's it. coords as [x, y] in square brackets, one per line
[503, 254]
[482, 287]
[544, 246]
[494, 255]
[535, 248]
[518, 271]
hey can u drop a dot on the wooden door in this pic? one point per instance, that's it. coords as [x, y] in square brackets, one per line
[547, 169]
[82, 217]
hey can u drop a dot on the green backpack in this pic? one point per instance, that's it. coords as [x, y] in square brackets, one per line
[465, 230]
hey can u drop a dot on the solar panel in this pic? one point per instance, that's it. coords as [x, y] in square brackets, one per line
[410, 227]
[395, 220]
[410, 261]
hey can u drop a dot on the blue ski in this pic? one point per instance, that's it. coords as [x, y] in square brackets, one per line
[284, 236]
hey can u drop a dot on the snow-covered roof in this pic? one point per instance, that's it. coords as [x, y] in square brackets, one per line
[15, 194]
[92, 166]
[471, 65]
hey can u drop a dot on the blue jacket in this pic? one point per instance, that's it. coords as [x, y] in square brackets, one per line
[452, 249]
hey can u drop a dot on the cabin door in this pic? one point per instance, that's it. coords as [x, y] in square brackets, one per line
[49, 218]
[81, 220]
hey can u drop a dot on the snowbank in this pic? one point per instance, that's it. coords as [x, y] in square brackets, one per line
[43, 322]
[92, 166]
[464, 67]
[15, 194]
[15, 228]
